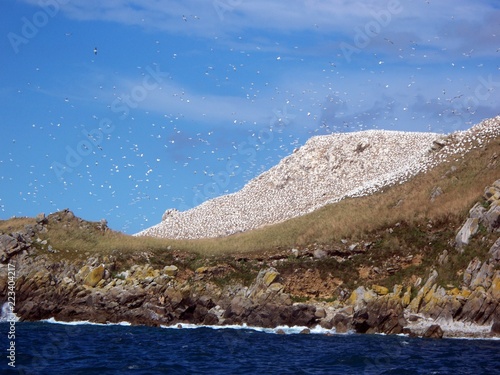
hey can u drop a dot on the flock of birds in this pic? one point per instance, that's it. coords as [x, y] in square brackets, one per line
[143, 167]
[325, 170]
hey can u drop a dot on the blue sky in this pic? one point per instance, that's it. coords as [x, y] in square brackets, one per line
[187, 100]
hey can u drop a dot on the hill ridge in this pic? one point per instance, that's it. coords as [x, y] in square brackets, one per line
[326, 169]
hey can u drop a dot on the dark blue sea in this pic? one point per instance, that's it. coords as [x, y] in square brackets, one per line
[51, 348]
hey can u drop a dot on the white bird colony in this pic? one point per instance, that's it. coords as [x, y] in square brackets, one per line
[325, 170]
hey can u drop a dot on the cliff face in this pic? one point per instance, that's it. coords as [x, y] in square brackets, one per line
[107, 289]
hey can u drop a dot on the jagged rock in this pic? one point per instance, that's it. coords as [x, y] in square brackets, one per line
[437, 304]
[495, 286]
[406, 299]
[443, 258]
[479, 308]
[495, 251]
[495, 328]
[269, 277]
[41, 219]
[466, 232]
[341, 323]
[170, 270]
[482, 277]
[471, 271]
[436, 192]
[433, 332]
[381, 315]
[11, 245]
[477, 212]
[94, 276]
[266, 288]
[319, 254]
[492, 218]
[492, 193]
[380, 290]
[415, 303]
[360, 296]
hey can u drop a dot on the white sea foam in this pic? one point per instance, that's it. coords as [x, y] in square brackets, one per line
[286, 329]
[6, 315]
[453, 330]
[84, 322]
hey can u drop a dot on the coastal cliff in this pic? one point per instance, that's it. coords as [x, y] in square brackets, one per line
[420, 257]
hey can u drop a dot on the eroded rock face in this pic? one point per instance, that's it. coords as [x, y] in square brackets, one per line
[11, 245]
[434, 332]
[382, 315]
[145, 295]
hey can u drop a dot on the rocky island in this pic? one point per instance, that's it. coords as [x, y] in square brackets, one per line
[369, 232]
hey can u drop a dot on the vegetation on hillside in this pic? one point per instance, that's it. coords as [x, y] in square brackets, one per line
[407, 227]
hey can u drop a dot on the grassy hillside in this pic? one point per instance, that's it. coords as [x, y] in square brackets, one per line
[462, 183]
[406, 231]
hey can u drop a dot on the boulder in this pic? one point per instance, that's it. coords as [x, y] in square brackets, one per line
[495, 251]
[41, 219]
[94, 276]
[479, 307]
[495, 328]
[483, 276]
[201, 270]
[436, 192]
[270, 276]
[492, 218]
[416, 302]
[266, 288]
[11, 245]
[495, 286]
[466, 232]
[360, 296]
[471, 271]
[381, 315]
[433, 332]
[477, 211]
[170, 270]
[319, 254]
[341, 323]
[380, 290]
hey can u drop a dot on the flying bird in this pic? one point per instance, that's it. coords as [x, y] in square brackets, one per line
[95, 50]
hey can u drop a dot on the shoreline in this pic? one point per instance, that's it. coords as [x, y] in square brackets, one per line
[452, 330]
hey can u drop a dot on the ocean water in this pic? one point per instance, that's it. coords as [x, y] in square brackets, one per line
[80, 348]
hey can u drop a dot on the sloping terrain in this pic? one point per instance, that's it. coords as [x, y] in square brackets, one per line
[383, 262]
[325, 170]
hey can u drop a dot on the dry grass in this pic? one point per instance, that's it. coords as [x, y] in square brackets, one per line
[462, 182]
[15, 224]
